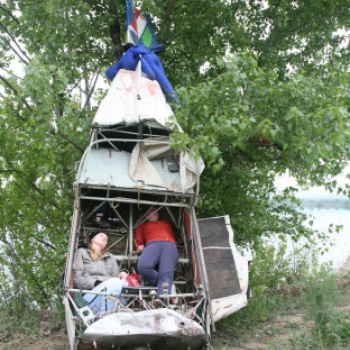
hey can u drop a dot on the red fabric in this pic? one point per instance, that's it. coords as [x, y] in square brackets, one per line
[133, 280]
[151, 231]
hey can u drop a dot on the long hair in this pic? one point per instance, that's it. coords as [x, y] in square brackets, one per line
[94, 254]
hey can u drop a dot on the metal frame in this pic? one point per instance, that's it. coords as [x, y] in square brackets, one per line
[200, 297]
[167, 200]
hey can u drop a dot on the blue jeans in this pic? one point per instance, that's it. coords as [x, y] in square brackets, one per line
[163, 254]
[99, 303]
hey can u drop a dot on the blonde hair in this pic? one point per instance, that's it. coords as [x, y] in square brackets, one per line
[95, 255]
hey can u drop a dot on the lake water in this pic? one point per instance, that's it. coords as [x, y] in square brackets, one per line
[338, 244]
[340, 251]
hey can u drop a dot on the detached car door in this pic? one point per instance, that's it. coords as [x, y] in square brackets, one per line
[227, 270]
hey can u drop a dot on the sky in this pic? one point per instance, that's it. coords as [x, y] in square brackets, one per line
[285, 180]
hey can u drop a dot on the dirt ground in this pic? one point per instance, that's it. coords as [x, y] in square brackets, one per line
[274, 334]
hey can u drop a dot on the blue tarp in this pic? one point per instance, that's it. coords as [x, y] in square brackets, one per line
[151, 66]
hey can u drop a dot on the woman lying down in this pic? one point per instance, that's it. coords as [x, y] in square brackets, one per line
[95, 269]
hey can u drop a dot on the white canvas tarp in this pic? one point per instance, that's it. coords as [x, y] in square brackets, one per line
[142, 169]
[132, 98]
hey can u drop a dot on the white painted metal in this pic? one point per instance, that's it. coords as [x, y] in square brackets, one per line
[157, 321]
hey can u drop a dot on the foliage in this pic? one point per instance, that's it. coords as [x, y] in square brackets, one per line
[20, 320]
[229, 115]
[276, 276]
[283, 283]
[263, 87]
[332, 327]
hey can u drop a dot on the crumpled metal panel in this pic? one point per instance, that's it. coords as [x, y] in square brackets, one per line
[159, 321]
[109, 167]
[157, 327]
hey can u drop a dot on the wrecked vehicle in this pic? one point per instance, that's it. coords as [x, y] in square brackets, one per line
[128, 167]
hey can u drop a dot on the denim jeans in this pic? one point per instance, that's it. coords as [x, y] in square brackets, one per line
[163, 254]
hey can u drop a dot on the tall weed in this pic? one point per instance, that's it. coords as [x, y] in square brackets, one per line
[320, 298]
[273, 267]
[278, 277]
[19, 317]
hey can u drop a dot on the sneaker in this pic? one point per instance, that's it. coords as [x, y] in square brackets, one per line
[113, 219]
[158, 304]
[98, 220]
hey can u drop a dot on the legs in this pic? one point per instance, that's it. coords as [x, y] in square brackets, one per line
[165, 255]
[98, 303]
[98, 219]
[148, 261]
[167, 265]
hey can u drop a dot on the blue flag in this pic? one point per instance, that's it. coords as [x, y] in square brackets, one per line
[140, 29]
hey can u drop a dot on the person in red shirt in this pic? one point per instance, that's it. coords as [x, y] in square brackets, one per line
[155, 239]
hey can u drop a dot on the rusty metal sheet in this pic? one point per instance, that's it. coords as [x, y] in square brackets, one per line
[219, 259]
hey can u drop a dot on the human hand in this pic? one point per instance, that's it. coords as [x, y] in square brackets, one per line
[140, 248]
[123, 275]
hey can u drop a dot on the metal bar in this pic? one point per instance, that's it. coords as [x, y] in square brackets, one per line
[135, 258]
[71, 244]
[184, 239]
[94, 210]
[131, 132]
[116, 242]
[116, 295]
[131, 243]
[180, 217]
[139, 70]
[180, 282]
[114, 147]
[202, 264]
[172, 216]
[137, 190]
[135, 201]
[119, 216]
[144, 218]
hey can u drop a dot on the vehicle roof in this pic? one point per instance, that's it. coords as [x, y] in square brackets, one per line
[106, 167]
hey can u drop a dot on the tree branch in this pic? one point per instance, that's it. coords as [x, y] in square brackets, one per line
[14, 265]
[7, 71]
[28, 181]
[114, 32]
[13, 49]
[70, 141]
[7, 83]
[92, 89]
[10, 14]
[14, 40]
[9, 171]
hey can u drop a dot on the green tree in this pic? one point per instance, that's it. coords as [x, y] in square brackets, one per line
[263, 87]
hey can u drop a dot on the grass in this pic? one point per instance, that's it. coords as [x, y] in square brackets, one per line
[19, 320]
[331, 329]
[298, 285]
